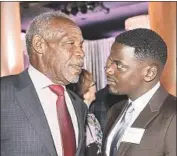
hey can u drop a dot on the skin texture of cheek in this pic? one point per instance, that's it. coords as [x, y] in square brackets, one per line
[66, 69]
[135, 78]
[48, 62]
[60, 67]
[122, 84]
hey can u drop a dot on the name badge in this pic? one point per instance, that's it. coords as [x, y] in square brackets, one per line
[133, 135]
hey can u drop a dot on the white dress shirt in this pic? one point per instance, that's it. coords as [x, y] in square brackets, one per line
[139, 104]
[48, 101]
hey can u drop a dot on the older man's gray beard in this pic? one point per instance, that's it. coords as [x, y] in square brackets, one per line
[71, 79]
[74, 80]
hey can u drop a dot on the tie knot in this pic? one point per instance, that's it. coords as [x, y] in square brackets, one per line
[57, 89]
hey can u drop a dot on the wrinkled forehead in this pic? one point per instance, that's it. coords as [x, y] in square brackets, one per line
[69, 30]
[63, 24]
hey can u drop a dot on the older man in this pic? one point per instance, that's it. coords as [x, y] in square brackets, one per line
[146, 124]
[39, 117]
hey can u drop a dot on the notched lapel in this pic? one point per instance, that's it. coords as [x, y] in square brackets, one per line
[30, 103]
[147, 115]
[115, 114]
[77, 106]
[111, 124]
[142, 121]
[152, 109]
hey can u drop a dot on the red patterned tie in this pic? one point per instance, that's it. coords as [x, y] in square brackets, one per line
[66, 126]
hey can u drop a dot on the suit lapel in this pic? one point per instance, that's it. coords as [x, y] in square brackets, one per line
[116, 113]
[79, 114]
[29, 102]
[147, 115]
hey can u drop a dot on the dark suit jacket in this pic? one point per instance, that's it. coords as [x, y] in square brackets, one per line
[24, 128]
[104, 100]
[159, 121]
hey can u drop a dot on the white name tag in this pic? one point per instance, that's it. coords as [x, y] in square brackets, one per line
[133, 135]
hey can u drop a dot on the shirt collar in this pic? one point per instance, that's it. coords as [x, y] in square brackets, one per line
[39, 80]
[142, 101]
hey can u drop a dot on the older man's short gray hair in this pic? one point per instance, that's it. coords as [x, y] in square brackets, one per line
[41, 25]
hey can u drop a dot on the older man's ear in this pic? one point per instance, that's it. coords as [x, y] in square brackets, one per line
[38, 43]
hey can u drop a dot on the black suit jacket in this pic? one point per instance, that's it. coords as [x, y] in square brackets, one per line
[24, 127]
[104, 101]
[158, 119]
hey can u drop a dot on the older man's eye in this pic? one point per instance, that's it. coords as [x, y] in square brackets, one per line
[70, 43]
[119, 66]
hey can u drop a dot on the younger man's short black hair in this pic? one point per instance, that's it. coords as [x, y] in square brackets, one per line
[147, 44]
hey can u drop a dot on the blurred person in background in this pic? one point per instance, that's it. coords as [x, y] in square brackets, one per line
[103, 102]
[85, 88]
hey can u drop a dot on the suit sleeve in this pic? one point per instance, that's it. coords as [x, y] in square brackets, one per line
[170, 138]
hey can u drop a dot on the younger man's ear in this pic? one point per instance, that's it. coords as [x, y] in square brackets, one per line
[150, 73]
[38, 44]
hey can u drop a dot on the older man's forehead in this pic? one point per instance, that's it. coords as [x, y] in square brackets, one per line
[62, 23]
[68, 28]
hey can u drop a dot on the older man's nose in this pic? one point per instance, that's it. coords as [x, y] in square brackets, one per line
[80, 53]
[110, 69]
